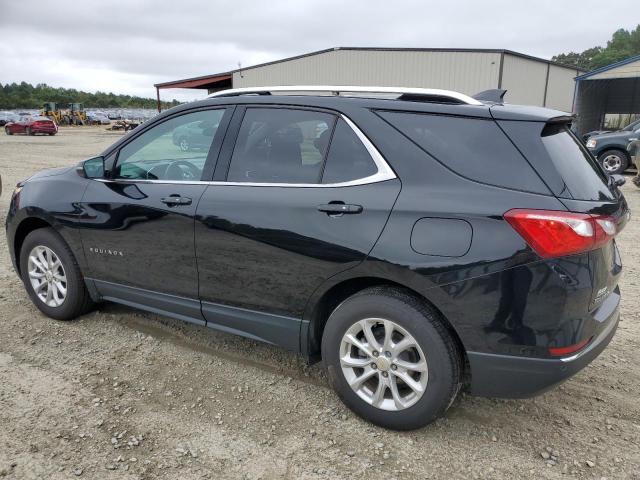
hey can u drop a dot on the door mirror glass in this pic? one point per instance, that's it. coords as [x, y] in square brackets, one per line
[94, 167]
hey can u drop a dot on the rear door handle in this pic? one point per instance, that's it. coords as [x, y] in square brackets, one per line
[173, 200]
[340, 208]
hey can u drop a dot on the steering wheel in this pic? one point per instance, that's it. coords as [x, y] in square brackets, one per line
[183, 170]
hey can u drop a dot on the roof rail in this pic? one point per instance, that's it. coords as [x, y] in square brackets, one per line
[415, 94]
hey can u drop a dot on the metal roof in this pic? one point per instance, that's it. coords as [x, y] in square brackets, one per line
[608, 67]
[197, 82]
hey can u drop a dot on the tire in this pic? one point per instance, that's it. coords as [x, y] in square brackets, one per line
[28, 131]
[77, 300]
[443, 368]
[614, 162]
[8, 131]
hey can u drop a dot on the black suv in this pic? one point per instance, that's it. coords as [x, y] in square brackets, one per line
[414, 240]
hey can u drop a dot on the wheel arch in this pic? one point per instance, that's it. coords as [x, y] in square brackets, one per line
[25, 227]
[318, 313]
[617, 148]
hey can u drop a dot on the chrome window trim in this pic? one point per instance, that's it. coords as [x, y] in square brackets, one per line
[337, 89]
[384, 172]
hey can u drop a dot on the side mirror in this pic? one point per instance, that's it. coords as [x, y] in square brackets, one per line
[618, 180]
[93, 168]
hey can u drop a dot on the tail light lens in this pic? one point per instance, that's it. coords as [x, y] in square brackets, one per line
[556, 234]
[561, 351]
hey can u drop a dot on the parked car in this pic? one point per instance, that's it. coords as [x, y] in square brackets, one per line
[632, 126]
[7, 117]
[31, 126]
[413, 243]
[611, 148]
[194, 135]
[97, 118]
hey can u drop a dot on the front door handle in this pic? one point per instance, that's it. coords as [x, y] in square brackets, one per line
[174, 200]
[340, 208]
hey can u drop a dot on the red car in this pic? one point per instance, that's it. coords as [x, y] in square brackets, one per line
[31, 126]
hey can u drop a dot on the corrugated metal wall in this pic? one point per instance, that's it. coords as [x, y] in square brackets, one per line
[524, 80]
[560, 88]
[466, 72]
[629, 70]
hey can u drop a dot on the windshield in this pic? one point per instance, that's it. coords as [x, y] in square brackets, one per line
[632, 126]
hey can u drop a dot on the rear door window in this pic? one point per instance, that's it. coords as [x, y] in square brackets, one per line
[474, 148]
[280, 145]
[348, 159]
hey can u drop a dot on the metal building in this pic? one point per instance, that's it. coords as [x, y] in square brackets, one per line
[528, 80]
[614, 89]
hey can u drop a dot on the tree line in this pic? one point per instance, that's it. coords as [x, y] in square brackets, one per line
[25, 95]
[623, 44]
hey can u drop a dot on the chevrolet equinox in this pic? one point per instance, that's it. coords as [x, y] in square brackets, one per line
[414, 240]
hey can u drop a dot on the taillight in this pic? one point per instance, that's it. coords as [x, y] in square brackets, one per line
[561, 351]
[556, 234]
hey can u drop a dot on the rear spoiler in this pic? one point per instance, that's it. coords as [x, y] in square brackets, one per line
[562, 119]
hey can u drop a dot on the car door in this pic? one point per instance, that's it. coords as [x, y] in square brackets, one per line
[139, 222]
[305, 197]
[20, 126]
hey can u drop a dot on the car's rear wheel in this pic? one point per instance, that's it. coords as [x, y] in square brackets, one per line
[52, 276]
[614, 162]
[29, 131]
[391, 359]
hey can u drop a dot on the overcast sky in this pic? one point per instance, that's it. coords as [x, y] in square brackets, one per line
[125, 46]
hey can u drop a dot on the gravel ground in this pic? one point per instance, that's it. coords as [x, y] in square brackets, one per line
[124, 394]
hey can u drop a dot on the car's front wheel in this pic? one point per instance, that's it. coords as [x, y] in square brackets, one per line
[52, 276]
[614, 162]
[7, 130]
[391, 359]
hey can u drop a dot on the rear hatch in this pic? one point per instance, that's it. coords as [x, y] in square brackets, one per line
[577, 180]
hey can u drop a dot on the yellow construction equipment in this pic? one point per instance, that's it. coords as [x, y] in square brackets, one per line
[52, 112]
[72, 114]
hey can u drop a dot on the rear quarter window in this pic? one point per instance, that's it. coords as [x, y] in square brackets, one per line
[474, 148]
[560, 158]
[584, 178]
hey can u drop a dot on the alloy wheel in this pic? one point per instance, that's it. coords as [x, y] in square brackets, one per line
[383, 364]
[184, 145]
[47, 276]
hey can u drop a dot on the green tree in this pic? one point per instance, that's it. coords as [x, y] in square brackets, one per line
[25, 95]
[623, 44]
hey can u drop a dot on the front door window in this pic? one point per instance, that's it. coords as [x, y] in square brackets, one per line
[173, 150]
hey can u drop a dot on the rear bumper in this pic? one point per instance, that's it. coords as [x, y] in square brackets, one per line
[508, 376]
